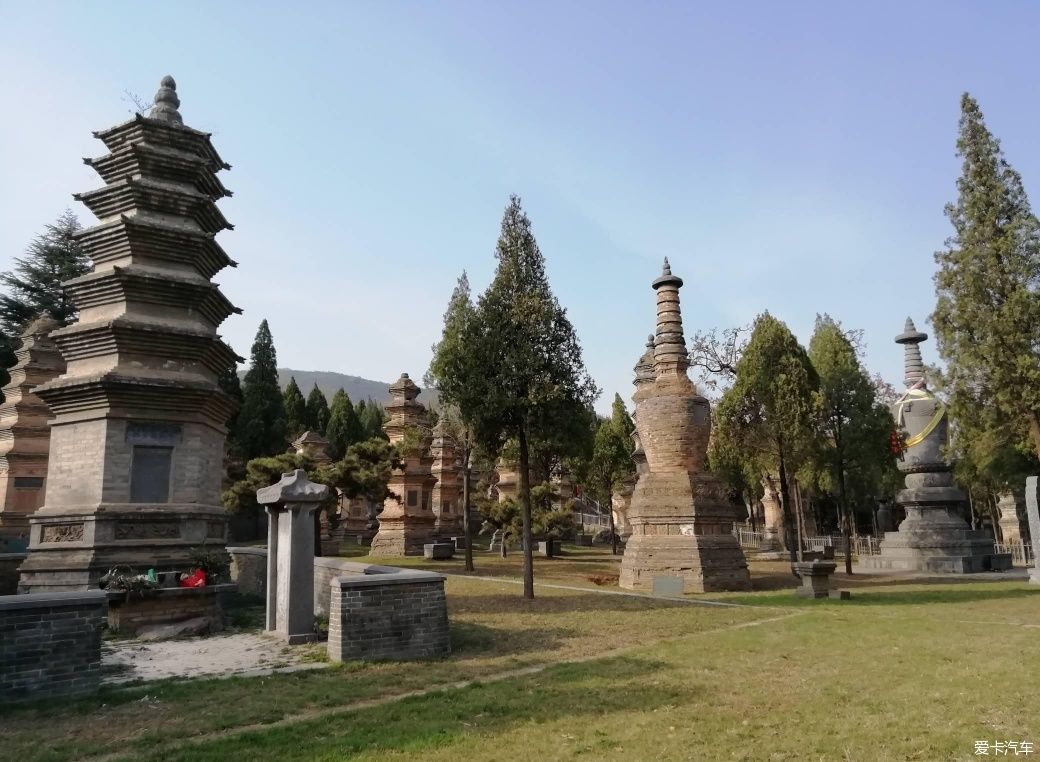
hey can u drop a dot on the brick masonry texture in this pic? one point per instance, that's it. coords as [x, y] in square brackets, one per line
[402, 615]
[50, 645]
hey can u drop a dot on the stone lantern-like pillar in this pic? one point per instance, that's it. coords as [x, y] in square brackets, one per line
[290, 554]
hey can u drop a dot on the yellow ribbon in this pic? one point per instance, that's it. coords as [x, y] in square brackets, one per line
[917, 393]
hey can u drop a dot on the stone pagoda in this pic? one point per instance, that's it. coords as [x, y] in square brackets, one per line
[934, 537]
[25, 429]
[680, 514]
[407, 520]
[137, 440]
[447, 491]
[314, 446]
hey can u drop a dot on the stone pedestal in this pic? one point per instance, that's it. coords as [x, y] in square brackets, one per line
[816, 578]
[290, 555]
[1033, 514]
[681, 516]
[933, 537]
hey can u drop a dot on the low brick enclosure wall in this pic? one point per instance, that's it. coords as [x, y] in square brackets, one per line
[398, 614]
[9, 563]
[50, 644]
[167, 605]
[249, 571]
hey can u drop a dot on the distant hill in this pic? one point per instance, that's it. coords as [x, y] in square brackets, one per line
[357, 388]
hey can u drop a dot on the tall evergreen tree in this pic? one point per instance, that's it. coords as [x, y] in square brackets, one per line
[262, 430]
[33, 287]
[611, 464]
[344, 428]
[854, 427]
[295, 409]
[518, 371]
[317, 410]
[987, 315]
[372, 417]
[232, 387]
[769, 410]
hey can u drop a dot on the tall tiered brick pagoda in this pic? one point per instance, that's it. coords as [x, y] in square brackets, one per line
[447, 469]
[25, 430]
[407, 520]
[137, 441]
[681, 516]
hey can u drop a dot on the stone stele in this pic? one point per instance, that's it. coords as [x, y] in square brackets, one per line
[934, 537]
[1033, 514]
[137, 440]
[681, 516]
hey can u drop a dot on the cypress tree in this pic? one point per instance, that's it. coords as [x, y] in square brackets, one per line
[520, 373]
[262, 430]
[33, 287]
[295, 409]
[317, 411]
[231, 385]
[344, 428]
[987, 315]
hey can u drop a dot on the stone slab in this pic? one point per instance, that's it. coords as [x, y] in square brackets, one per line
[438, 550]
[1033, 514]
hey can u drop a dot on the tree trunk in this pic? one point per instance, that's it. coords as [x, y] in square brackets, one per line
[749, 503]
[525, 509]
[610, 516]
[1034, 431]
[466, 528]
[846, 517]
[793, 538]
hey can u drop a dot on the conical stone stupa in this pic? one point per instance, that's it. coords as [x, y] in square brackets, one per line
[934, 537]
[681, 516]
[137, 441]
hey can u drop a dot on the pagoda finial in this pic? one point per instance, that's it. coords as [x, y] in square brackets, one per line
[913, 365]
[167, 103]
[669, 344]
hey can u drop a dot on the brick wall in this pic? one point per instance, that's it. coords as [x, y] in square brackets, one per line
[397, 615]
[50, 644]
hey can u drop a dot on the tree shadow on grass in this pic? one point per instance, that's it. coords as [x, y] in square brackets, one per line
[443, 718]
[570, 603]
[866, 596]
[469, 640]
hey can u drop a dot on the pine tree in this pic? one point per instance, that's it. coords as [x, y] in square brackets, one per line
[295, 409]
[344, 428]
[317, 411]
[518, 371]
[372, 417]
[611, 464]
[262, 430]
[768, 412]
[33, 287]
[987, 315]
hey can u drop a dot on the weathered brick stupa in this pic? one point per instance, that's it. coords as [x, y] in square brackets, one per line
[407, 521]
[446, 492]
[681, 516]
[25, 430]
[934, 536]
[137, 441]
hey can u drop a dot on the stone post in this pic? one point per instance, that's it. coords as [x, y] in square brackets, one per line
[290, 554]
[1033, 512]
[1010, 506]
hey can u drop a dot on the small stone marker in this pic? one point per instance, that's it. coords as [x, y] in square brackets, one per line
[438, 550]
[1033, 513]
[671, 587]
[816, 579]
[290, 554]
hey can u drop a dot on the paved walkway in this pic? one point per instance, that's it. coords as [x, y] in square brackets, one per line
[241, 654]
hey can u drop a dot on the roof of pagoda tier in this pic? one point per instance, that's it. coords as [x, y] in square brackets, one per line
[135, 238]
[155, 160]
[131, 335]
[178, 136]
[152, 194]
[140, 283]
[155, 397]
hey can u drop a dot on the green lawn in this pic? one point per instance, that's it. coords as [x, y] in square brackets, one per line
[902, 671]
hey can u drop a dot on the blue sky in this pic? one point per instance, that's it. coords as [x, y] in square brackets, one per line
[793, 157]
